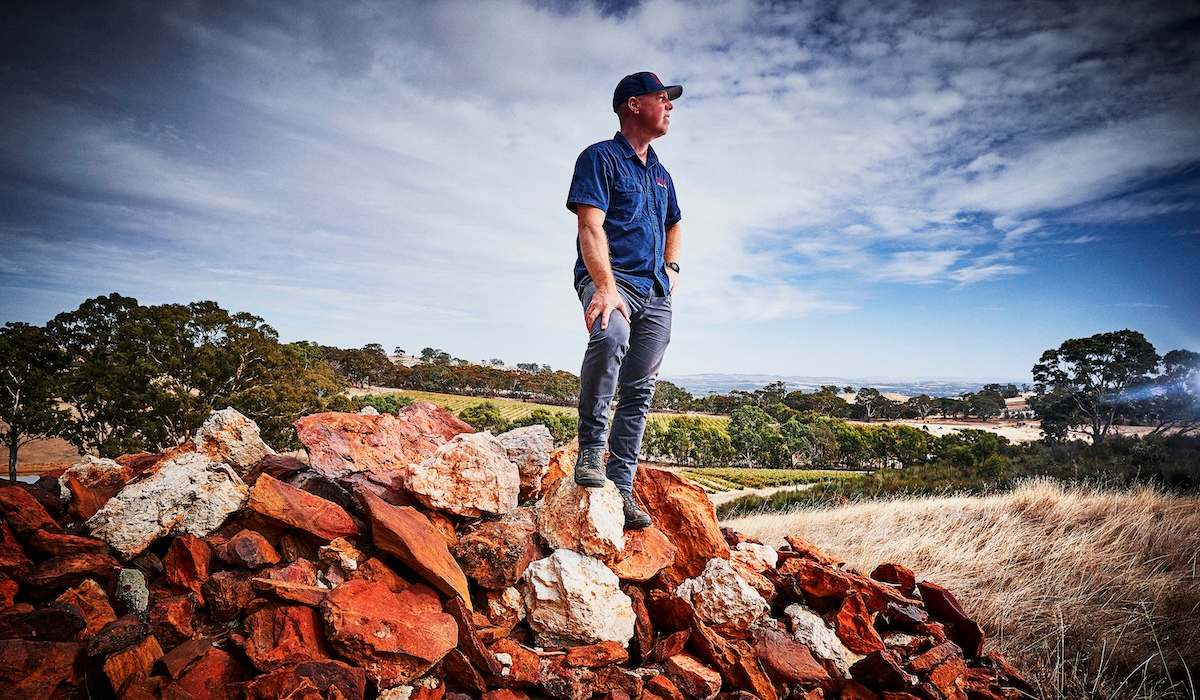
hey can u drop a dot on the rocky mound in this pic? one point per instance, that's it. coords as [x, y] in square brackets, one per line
[411, 557]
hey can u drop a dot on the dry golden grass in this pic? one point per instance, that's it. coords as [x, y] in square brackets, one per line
[1096, 593]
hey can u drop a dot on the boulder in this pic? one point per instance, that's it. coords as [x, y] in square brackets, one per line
[723, 598]
[278, 634]
[573, 599]
[811, 631]
[187, 494]
[394, 636]
[407, 534]
[529, 448]
[496, 553]
[686, 516]
[300, 509]
[585, 520]
[646, 552]
[88, 484]
[228, 436]
[380, 447]
[468, 476]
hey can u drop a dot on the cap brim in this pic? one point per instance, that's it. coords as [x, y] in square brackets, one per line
[673, 91]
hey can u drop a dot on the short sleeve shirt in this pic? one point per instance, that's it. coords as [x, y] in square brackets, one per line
[639, 205]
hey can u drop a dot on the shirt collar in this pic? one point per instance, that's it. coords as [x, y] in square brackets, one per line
[623, 143]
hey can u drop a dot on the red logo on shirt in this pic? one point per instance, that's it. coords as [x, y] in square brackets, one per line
[661, 182]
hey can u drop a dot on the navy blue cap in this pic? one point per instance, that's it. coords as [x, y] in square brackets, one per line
[641, 84]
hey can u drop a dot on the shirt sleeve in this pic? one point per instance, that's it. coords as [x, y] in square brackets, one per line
[591, 183]
[673, 213]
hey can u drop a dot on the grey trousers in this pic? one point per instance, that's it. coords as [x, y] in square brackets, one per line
[625, 356]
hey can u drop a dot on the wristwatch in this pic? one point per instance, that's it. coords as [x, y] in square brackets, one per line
[674, 266]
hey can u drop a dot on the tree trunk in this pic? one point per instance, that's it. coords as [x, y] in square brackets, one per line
[12, 460]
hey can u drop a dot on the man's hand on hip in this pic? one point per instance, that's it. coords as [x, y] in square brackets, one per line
[603, 303]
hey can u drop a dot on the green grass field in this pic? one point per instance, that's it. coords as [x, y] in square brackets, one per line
[716, 480]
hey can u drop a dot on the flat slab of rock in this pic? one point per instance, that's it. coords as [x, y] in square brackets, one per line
[394, 636]
[469, 475]
[585, 520]
[279, 633]
[300, 509]
[187, 494]
[381, 447]
[228, 436]
[572, 599]
[529, 447]
[721, 597]
[407, 534]
[684, 513]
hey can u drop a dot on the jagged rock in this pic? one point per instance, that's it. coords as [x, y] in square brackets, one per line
[692, 677]
[137, 659]
[381, 447]
[829, 585]
[208, 676]
[186, 563]
[320, 679]
[13, 560]
[942, 604]
[882, 669]
[119, 634]
[227, 594]
[585, 520]
[519, 666]
[172, 619]
[228, 436]
[854, 625]
[898, 575]
[188, 494]
[686, 516]
[562, 462]
[24, 513]
[8, 591]
[663, 688]
[786, 660]
[57, 622]
[810, 630]
[572, 599]
[505, 609]
[751, 568]
[721, 597]
[92, 602]
[87, 485]
[44, 543]
[394, 636]
[495, 554]
[280, 633]
[50, 577]
[408, 535]
[760, 556]
[303, 593]
[469, 475]
[250, 550]
[646, 552]
[300, 509]
[529, 448]
[599, 654]
[38, 669]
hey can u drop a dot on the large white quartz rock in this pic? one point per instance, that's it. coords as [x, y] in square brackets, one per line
[228, 436]
[186, 494]
[468, 476]
[766, 557]
[590, 521]
[572, 600]
[810, 630]
[721, 597]
[529, 448]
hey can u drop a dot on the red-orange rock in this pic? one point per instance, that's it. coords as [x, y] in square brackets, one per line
[643, 627]
[13, 560]
[408, 535]
[278, 633]
[8, 591]
[93, 605]
[288, 590]
[949, 677]
[898, 575]
[504, 694]
[618, 682]
[382, 447]
[57, 622]
[815, 580]
[562, 462]
[670, 645]
[786, 660]
[250, 550]
[45, 543]
[186, 563]
[300, 509]
[647, 551]
[565, 682]
[692, 677]
[853, 690]
[663, 688]
[51, 577]
[882, 669]
[521, 667]
[686, 516]
[227, 594]
[469, 641]
[90, 483]
[942, 604]
[496, 553]
[599, 654]
[394, 636]
[38, 669]
[127, 663]
[172, 619]
[119, 634]
[209, 676]
[316, 679]
[854, 625]
[24, 513]
[799, 547]
[176, 661]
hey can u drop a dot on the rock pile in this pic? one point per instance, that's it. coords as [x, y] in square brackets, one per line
[411, 557]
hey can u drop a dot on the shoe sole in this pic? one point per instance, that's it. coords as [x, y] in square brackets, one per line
[637, 526]
[590, 483]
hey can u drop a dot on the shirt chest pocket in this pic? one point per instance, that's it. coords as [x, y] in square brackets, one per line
[628, 199]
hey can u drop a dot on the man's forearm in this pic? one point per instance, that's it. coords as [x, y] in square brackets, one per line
[671, 251]
[593, 246]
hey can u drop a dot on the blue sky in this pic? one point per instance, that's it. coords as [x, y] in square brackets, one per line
[900, 191]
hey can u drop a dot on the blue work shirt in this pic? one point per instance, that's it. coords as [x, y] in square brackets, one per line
[639, 206]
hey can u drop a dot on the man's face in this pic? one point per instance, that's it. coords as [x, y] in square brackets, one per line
[653, 112]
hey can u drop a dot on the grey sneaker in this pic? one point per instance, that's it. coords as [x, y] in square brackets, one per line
[589, 467]
[635, 517]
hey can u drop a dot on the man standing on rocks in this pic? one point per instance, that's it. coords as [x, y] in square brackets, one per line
[628, 248]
